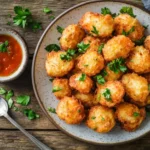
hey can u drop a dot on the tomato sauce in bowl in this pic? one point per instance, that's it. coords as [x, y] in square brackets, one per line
[11, 59]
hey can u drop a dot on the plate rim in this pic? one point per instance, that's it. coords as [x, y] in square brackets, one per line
[33, 71]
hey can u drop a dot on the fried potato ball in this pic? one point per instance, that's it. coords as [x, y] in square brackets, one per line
[81, 82]
[91, 63]
[111, 75]
[61, 88]
[118, 46]
[56, 67]
[130, 116]
[93, 42]
[88, 100]
[101, 119]
[126, 23]
[70, 110]
[110, 94]
[136, 88]
[147, 43]
[97, 25]
[71, 36]
[139, 60]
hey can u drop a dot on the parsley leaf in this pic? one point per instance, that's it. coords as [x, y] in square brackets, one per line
[56, 89]
[52, 110]
[69, 55]
[2, 91]
[140, 42]
[60, 29]
[51, 79]
[24, 19]
[82, 77]
[93, 117]
[47, 10]
[104, 73]
[82, 47]
[117, 65]
[107, 94]
[127, 10]
[100, 79]
[100, 48]
[136, 114]
[23, 100]
[30, 114]
[128, 32]
[4, 46]
[52, 47]
[95, 31]
[106, 11]
[9, 94]
[10, 103]
[146, 26]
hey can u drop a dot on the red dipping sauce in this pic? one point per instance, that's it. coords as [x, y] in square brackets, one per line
[11, 60]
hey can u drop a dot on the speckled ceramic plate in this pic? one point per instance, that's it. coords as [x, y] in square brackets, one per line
[42, 85]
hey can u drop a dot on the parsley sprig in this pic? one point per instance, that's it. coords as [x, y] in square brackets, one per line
[95, 31]
[69, 55]
[56, 89]
[52, 110]
[82, 77]
[82, 47]
[117, 65]
[106, 11]
[4, 47]
[128, 32]
[100, 48]
[107, 94]
[140, 42]
[60, 29]
[52, 47]
[47, 10]
[127, 10]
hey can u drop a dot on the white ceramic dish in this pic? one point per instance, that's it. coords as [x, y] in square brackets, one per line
[42, 85]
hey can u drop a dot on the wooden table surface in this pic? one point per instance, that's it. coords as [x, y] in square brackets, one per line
[43, 129]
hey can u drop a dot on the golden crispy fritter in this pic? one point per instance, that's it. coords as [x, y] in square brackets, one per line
[81, 82]
[110, 94]
[93, 42]
[111, 75]
[71, 36]
[61, 88]
[88, 100]
[55, 67]
[130, 116]
[91, 63]
[97, 25]
[118, 46]
[136, 88]
[139, 60]
[125, 22]
[147, 43]
[101, 119]
[70, 110]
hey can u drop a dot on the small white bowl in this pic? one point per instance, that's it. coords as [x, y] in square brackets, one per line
[19, 71]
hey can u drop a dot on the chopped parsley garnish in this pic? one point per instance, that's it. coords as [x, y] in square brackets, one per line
[95, 31]
[99, 97]
[127, 10]
[52, 17]
[149, 87]
[30, 114]
[103, 118]
[2, 91]
[93, 117]
[68, 55]
[23, 100]
[106, 11]
[47, 10]
[4, 47]
[136, 114]
[128, 32]
[24, 19]
[51, 79]
[82, 77]
[100, 79]
[52, 110]
[56, 89]
[140, 42]
[100, 48]
[52, 47]
[117, 65]
[60, 29]
[107, 94]
[82, 47]
[146, 26]
[104, 73]
[10, 103]
[9, 94]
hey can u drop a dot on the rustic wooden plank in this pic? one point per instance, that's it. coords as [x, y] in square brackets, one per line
[20, 86]
[10, 140]
[36, 6]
